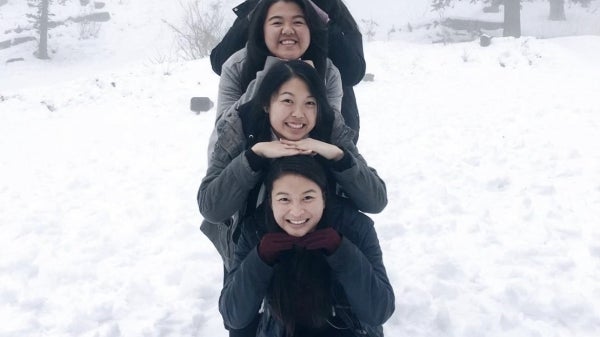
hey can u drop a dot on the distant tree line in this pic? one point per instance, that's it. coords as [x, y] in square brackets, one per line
[512, 11]
[557, 7]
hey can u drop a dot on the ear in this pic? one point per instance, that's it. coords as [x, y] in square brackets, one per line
[266, 109]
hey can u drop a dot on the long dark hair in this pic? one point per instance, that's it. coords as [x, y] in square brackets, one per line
[299, 294]
[280, 73]
[256, 48]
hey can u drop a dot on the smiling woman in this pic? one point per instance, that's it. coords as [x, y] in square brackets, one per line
[288, 116]
[278, 30]
[286, 33]
[314, 265]
[293, 110]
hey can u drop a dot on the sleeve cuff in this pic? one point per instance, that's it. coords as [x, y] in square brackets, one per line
[257, 163]
[342, 164]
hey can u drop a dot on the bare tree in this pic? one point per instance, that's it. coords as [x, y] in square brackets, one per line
[201, 29]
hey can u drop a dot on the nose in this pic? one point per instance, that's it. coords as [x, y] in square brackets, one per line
[297, 112]
[287, 29]
[295, 210]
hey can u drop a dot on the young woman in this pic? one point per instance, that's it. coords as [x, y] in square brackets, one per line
[288, 116]
[314, 270]
[345, 49]
[278, 30]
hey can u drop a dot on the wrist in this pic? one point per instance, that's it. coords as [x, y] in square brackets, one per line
[255, 160]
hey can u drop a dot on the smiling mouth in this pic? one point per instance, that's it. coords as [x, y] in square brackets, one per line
[297, 222]
[295, 125]
[287, 42]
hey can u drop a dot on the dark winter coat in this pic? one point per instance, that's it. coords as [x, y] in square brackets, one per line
[345, 50]
[230, 183]
[363, 296]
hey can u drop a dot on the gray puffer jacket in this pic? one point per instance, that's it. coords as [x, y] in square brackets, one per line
[231, 96]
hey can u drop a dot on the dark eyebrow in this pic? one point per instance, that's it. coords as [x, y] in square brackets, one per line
[280, 17]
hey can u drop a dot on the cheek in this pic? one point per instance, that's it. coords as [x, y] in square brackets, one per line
[278, 214]
[312, 118]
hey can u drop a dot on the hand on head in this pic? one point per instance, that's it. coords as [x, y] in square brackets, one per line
[329, 6]
[313, 146]
[277, 149]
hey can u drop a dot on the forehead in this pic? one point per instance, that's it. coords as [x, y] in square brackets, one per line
[284, 8]
[294, 86]
[294, 183]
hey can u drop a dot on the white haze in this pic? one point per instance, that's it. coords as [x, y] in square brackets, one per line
[490, 157]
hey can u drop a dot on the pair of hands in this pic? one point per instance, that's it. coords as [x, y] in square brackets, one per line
[273, 244]
[307, 146]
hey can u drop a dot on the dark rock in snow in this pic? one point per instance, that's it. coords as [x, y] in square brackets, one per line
[200, 104]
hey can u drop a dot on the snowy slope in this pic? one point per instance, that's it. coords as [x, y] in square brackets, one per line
[489, 155]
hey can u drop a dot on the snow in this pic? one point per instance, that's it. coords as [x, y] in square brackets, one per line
[490, 157]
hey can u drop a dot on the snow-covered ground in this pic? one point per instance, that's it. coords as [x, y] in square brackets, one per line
[490, 156]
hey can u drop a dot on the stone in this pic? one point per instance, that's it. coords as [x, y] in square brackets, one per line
[200, 104]
[485, 40]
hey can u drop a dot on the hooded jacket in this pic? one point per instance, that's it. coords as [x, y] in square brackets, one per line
[361, 291]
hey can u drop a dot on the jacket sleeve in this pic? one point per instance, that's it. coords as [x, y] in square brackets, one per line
[360, 182]
[358, 265]
[335, 92]
[235, 38]
[333, 85]
[229, 177]
[230, 96]
[346, 47]
[245, 285]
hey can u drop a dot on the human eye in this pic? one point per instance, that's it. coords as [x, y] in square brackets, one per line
[287, 101]
[276, 22]
[311, 103]
[299, 21]
[283, 200]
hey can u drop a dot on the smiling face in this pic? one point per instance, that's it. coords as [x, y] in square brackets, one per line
[286, 33]
[293, 110]
[297, 204]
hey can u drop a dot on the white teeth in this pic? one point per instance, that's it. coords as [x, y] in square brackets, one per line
[295, 125]
[288, 42]
[299, 222]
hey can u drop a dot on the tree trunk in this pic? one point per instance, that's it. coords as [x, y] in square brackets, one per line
[43, 45]
[557, 10]
[512, 18]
